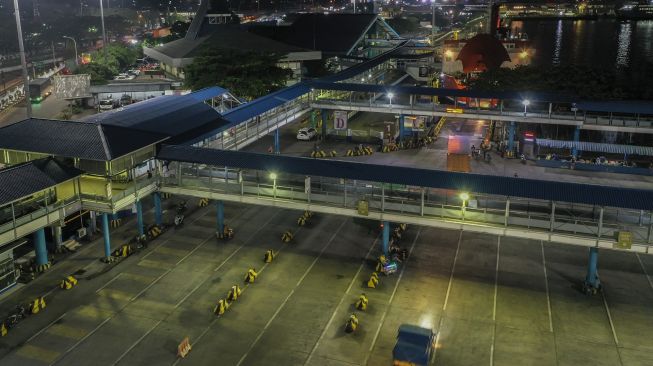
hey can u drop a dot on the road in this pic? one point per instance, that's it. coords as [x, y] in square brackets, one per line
[494, 301]
[49, 108]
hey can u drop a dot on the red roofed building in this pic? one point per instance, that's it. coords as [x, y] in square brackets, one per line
[484, 52]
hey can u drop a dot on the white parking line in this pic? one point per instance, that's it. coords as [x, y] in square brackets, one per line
[108, 283]
[60, 357]
[208, 327]
[494, 307]
[546, 286]
[283, 304]
[392, 296]
[446, 298]
[136, 343]
[644, 269]
[342, 299]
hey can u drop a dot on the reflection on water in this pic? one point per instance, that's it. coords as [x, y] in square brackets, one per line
[558, 44]
[623, 44]
[605, 43]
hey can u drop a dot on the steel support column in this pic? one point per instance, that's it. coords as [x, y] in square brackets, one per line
[511, 136]
[574, 151]
[57, 235]
[325, 115]
[592, 280]
[401, 127]
[386, 238]
[553, 216]
[277, 147]
[92, 221]
[105, 233]
[158, 214]
[39, 247]
[220, 208]
[139, 218]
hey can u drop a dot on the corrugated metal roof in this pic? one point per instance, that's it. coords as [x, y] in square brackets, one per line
[258, 106]
[329, 33]
[176, 116]
[74, 139]
[26, 179]
[597, 147]
[486, 184]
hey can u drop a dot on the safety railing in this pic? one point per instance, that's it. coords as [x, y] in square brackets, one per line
[40, 216]
[528, 216]
[512, 113]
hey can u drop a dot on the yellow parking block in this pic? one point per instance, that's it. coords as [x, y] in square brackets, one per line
[37, 353]
[67, 331]
[154, 264]
[172, 251]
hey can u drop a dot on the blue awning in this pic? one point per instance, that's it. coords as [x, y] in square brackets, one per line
[597, 147]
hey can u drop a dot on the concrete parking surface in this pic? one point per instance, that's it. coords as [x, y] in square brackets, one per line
[493, 301]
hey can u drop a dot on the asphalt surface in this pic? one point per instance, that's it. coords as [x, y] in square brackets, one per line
[493, 301]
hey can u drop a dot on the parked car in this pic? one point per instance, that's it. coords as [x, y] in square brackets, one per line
[106, 104]
[306, 134]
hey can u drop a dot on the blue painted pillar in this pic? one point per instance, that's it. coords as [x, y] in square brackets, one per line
[277, 148]
[325, 115]
[574, 151]
[107, 237]
[158, 214]
[511, 136]
[39, 247]
[139, 218]
[401, 126]
[592, 277]
[220, 206]
[386, 237]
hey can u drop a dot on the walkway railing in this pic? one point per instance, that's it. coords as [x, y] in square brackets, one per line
[590, 121]
[530, 219]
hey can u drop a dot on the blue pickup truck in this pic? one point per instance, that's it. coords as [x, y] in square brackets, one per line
[414, 346]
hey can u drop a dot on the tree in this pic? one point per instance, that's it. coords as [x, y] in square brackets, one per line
[246, 74]
[99, 73]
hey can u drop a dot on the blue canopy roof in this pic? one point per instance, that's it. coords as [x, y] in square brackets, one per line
[485, 184]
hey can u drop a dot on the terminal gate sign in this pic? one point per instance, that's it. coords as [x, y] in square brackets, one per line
[340, 120]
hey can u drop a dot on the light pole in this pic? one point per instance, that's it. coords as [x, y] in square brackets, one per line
[526, 103]
[104, 34]
[273, 176]
[22, 60]
[75, 43]
[433, 23]
[464, 196]
[390, 95]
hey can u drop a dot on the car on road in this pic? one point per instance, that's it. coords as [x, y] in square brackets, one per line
[125, 100]
[306, 134]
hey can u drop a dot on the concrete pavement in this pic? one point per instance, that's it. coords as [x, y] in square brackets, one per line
[494, 301]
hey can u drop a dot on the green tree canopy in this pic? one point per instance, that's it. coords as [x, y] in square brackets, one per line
[246, 74]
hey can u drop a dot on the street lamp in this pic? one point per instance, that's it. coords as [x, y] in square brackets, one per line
[273, 176]
[104, 34]
[464, 196]
[433, 23]
[22, 60]
[390, 95]
[75, 43]
[526, 103]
